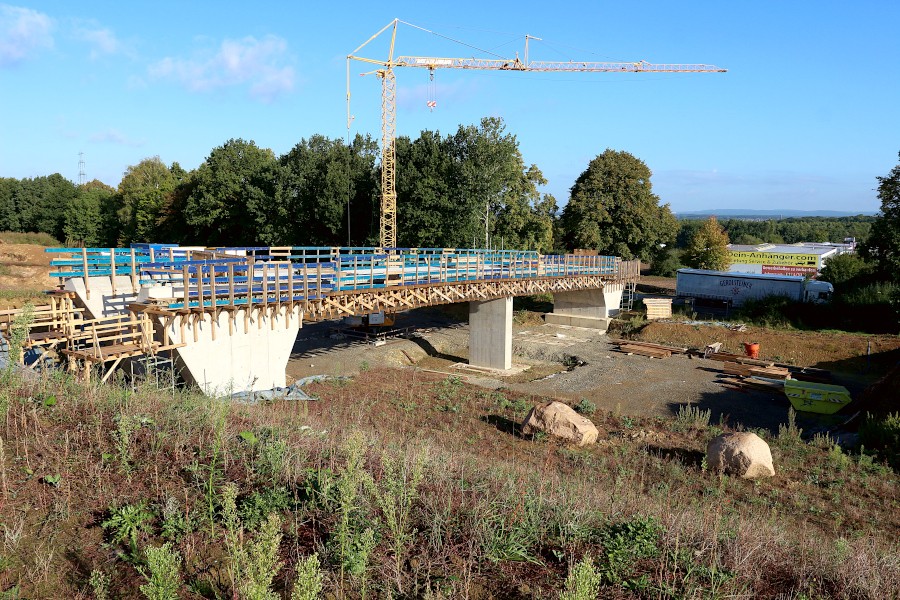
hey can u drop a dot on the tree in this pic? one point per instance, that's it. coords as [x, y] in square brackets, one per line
[90, 219]
[883, 245]
[471, 188]
[843, 268]
[612, 209]
[142, 193]
[708, 248]
[9, 216]
[235, 197]
[330, 187]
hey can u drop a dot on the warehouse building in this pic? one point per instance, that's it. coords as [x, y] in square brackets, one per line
[804, 258]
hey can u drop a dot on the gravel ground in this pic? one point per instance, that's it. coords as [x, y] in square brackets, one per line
[613, 381]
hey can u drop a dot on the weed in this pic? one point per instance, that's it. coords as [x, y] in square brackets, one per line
[125, 524]
[583, 582]
[394, 495]
[350, 547]
[364, 366]
[126, 425]
[308, 584]
[259, 505]
[175, 522]
[254, 562]
[30, 237]
[18, 336]
[270, 456]
[99, 582]
[164, 579]
[790, 432]
[623, 544]
[586, 407]
[571, 362]
[691, 417]
[449, 390]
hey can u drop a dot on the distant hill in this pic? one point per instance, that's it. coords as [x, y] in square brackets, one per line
[750, 213]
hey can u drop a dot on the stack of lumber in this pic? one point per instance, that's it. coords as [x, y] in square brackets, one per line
[743, 370]
[739, 358]
[648, 349]
[658, 308]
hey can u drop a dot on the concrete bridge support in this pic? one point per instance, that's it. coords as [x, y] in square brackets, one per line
[243, 350]
[228, 351]
[490, 333]
[585, 308]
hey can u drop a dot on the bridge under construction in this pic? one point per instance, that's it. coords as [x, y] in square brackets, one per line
[228, 317]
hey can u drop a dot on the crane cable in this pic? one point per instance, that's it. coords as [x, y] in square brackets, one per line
[431, 100]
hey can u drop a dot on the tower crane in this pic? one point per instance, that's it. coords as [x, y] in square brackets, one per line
[385, 72]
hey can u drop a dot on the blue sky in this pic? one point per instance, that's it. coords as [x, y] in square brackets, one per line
[805, 118]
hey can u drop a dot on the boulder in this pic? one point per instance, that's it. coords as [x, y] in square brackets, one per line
[744, 454]
[559, 420]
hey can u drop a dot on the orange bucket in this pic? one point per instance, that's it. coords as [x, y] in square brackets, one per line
[752, 349]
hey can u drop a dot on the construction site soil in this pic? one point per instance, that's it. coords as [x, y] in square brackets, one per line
[578, 365]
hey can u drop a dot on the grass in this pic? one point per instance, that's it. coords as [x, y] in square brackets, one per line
[397, 497]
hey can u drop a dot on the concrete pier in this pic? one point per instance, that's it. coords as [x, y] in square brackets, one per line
[244, 350]
[585, 308]
[490, 333]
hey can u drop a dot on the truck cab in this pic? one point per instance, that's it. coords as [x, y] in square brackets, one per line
[818, 292]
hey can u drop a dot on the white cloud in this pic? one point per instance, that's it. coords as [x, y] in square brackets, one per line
[102, 40]
[114, 136]
[23, 32]
[258, 64]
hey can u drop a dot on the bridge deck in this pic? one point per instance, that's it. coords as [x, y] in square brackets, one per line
[210, 278]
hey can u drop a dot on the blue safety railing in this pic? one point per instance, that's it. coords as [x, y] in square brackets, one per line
[237, 276]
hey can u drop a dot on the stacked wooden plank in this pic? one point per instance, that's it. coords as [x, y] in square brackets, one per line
[744, 370]
[658, 308]
[739, 358]
[648, 348]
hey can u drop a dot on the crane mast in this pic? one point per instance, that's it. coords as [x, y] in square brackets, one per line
[385, 72]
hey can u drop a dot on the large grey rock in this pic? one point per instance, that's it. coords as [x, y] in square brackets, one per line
[744, 454]
[559, 420]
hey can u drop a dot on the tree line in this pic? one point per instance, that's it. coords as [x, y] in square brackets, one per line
[468, 188]
[471, 188]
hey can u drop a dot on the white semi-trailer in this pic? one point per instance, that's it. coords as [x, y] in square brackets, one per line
[735, 288]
